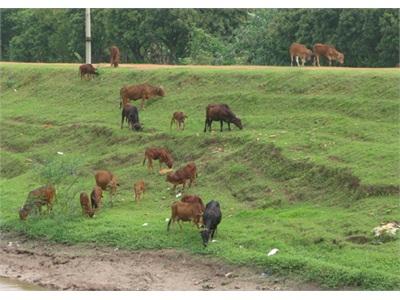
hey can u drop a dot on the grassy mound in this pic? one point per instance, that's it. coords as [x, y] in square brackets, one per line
[314, 170]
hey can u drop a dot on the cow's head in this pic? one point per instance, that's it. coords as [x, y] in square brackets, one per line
[341, 58]
[310, 55]
[160, 91]
[237, 122]
[137, 126]
[23, 212]
[205, 235]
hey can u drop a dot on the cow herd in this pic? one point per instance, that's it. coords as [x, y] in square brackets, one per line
[190, 207]
[297, 51]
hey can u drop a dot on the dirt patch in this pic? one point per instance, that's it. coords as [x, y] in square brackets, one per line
[63, 267]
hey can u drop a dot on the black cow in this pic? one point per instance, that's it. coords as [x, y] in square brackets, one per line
[222, 113]
[211, 218]
[131, 114]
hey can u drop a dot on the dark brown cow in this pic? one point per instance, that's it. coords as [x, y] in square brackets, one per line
[160, 154]
[179, 119]
[85, 204]
[188, 172]
[114, 56]
[139, 188]
[131, 114]
[186, 212]
[96, 197]
[88, 71]
[193, 199]
[222, 113]
[107, 181]
[44, 195]
[297, 51]
[329, 52]
[141, 91]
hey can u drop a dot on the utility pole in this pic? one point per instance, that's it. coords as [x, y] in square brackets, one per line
[88, 38]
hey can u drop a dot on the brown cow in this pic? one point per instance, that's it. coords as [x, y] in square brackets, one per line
[222, 113]
[329, 52]
[139, 188]
[85, 204]
[107, 181]
[96, 197]
[183, 211]
[141, 91]
[88, 71]
[114, 56]
[298, 50]
[161, 154]
[179, 119]
[193, 199]
[36, 199]
[188, 172]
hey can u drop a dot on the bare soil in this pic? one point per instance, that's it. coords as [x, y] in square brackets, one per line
[231, 67]
[88, 267]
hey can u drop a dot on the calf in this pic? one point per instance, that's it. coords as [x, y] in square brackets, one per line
[85, 204]
[139, 188]
[96, 196]
[188, 172]
[193, 199]
[186, 212]
[222, 113]
[160, 154]
[107, 181]
[131, 114]
[88, 71]
[211, 218]
[44, 195]
[329, 52]
[114, 56]
[298, 50]
[179, 119]
[141, 91]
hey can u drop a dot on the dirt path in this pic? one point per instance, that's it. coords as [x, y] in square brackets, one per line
[231, 67]
[62, 267]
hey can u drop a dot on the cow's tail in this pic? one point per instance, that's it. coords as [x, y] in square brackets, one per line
[144, 160]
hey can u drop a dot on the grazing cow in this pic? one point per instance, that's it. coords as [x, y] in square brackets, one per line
[182, 211]
[85, 204]
[179, 119]
[211, 218]
[36, 199]
[188, 172]
[114, 56]
[139, 188]
[222, 113]
[298, 50]
[329, 52]
[193, 199]
[96, 196]
[107, 181]
[131, 114]
[88, 71]
[141, 91]
[160, 154]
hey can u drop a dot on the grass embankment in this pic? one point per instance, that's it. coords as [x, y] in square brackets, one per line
[316, 163]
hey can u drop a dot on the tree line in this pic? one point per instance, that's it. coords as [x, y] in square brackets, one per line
[367, 37]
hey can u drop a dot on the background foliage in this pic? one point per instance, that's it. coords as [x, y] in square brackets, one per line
[367, 37]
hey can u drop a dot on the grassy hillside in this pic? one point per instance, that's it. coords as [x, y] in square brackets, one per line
[315, 165]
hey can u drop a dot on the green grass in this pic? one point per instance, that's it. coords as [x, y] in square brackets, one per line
[316, 162]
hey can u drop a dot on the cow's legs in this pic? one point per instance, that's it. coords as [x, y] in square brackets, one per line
[229, 126]
[205, 125]
[318, 61]
[221, 122]
[303, 59]
[291, 60]
[330, 62]
[297, 61]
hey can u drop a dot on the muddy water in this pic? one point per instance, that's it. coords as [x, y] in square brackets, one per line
[7, 284]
